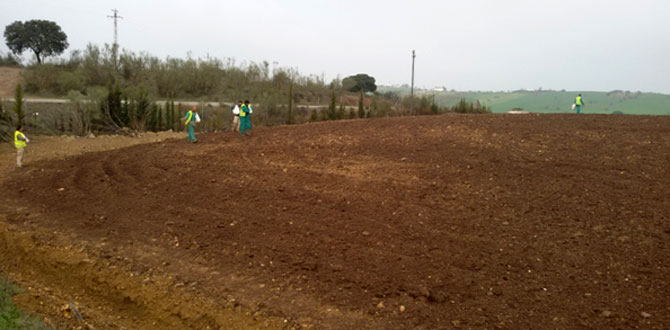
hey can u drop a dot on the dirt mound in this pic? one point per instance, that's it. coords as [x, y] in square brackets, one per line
[436, 222]
[9, 78]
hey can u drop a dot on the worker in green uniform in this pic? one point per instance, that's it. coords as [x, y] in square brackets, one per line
[579, 102]
[245, 118]
[20, 143]
[189, 122]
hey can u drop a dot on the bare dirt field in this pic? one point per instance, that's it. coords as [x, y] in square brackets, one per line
[9, 77]
[436, 222]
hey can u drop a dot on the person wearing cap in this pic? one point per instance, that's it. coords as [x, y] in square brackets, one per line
[189, 121]
[245, 118]
[20, 143]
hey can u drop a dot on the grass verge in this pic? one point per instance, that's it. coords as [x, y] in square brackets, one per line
[11, 317]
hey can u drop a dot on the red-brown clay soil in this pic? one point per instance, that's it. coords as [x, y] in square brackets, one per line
[435, 222]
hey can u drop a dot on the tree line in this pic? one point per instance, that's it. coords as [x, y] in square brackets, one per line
[108, 90]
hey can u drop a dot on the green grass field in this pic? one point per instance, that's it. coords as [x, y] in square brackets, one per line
[631, 103]
[595, 102]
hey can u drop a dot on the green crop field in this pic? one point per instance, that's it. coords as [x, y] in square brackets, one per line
[632, 103]
[595, 102]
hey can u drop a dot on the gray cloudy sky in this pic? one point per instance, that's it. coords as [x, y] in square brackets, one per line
[593, 45]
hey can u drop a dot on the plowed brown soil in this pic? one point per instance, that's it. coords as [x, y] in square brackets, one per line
[443, 222]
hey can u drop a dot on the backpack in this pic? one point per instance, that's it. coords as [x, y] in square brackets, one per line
[235, 110]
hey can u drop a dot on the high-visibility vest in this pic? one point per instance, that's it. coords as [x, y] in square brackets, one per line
[578, 100]
[242, 113]
[18, 143]
[189, 116]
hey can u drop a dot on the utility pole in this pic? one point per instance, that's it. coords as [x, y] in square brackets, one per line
[115, 46]
[413, 56]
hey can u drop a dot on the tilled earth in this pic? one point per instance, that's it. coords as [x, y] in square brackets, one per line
[435, 222]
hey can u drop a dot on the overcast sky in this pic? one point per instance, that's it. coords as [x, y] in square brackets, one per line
[587, 45]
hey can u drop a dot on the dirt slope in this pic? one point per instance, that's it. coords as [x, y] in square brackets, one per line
[9, 78]
[442, 222]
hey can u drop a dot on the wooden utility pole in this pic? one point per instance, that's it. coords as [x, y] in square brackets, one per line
[413, 56]
[290, 102]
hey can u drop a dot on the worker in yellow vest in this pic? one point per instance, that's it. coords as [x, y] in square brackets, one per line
[20, 143]
[579, 102]
[189, 121]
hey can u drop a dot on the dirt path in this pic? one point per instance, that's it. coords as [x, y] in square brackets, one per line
[44, 148]
[490, 221]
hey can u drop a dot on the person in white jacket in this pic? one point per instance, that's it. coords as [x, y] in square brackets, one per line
[236, 116]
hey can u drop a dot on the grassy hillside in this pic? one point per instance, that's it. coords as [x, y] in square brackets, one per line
[557, 102]
[561, 102]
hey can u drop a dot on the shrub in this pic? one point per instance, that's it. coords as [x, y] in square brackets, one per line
[69, 81]
[42, 78]
[80, 116]
[112, 107]
[332, 110]
[139, 108]
[341, 113]
[468, 107]
[361, 109]
[6, 127]
[10, 60]
[18, 105]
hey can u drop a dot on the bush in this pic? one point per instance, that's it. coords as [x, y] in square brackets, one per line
[180, 78]
[18, 105]
[84, 110]
[332, 107]
[6, 126]
[10, 60]
[139, 108]
[468, 107]
[42, 79]
[69, 81]
[112, 107]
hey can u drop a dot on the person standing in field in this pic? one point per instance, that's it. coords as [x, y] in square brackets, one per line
[189, 121]
[579, 102]
[236, 116]
[245, 118]
[20, 143]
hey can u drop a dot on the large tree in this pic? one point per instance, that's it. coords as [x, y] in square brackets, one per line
[359, 82]
[44, 38]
